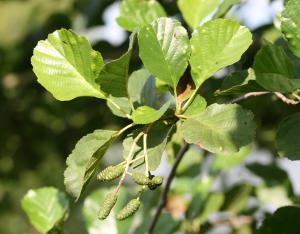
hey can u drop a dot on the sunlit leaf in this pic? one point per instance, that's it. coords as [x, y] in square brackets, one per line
[194, 11]
[196, 107]
[137, 13]
[165, 49]
[215, 45]
[67, 66]
[46, 208]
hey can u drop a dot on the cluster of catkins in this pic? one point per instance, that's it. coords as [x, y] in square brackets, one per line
[113, 172]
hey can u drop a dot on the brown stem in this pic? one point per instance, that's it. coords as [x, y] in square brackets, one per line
[164, 194]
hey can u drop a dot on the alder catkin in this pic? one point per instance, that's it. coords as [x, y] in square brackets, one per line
[140, 178]
[110, 173]
[155, 182]
[108, 203]
[131, 207]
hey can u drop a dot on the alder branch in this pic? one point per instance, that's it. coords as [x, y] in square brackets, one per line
[286, 99]
[248, 95]
[164, 195]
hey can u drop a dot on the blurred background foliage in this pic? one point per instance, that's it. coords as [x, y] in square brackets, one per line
[37, 132]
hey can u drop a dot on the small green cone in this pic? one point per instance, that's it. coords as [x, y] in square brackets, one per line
[140, 178]
[108, 203]
[155, 182]
[111, 173]
[131, 207]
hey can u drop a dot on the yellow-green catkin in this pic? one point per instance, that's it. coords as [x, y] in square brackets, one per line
[140, 178]
[108, 203]
[131, 207]
[111, 173]
[155, 182]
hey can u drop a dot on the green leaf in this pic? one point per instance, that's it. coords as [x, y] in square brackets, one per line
[290, 25]
[46, 208]
[194, 11]
[156, 143]
[165, 49]
[274, 70]
[114, 76]
[141, 89]
[220, 128]
[82, 162]
[137, 13]
[110, 224]
[119, 106]
[240, 82]
[288, 136]
[197, 106]
[284, 220]
[212, 205]
[67, 66]
[224, 7]
[215, 45]
[147, 114]
[225, 162]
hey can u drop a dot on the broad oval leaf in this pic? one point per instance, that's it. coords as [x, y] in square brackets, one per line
[46, 208]
[290, 25]
[284, 220]
[119, 106]
[137, 13]
[165, 49]
[147, 114]
[288, 136]
[215, 45]
[194, 11]
[196, 107]
[220, 128]
[67, 66]
[82, 162]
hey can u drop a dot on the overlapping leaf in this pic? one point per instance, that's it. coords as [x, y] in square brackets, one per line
[274, 70]
[220, 128]
[224, 7]
[81, 163]
[215, 45]
[290, 25]
[147, 114]
[196, 107]
[194, 11]
[137, 13]
[165, 49]
[46, 208]
[67, 66]
[288, 136]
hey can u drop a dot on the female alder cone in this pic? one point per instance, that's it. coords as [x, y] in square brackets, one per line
[131, 207]
[110, 173]
[140, 178]
[155, 182]
[108, 203]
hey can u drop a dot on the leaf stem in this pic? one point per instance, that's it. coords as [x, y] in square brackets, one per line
[128, 159]
[125, 128]
[189, 101]
[163, 197]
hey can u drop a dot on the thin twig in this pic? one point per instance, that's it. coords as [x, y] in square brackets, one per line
[247, 95]
[164, 194]
[285, 99]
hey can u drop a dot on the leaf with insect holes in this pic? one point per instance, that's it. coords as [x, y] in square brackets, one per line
[46, 208]
[215, 45]
[82, 162]
[137, 13]
[220, 128]
[194, 11]
[67, 66]
[164, 48]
